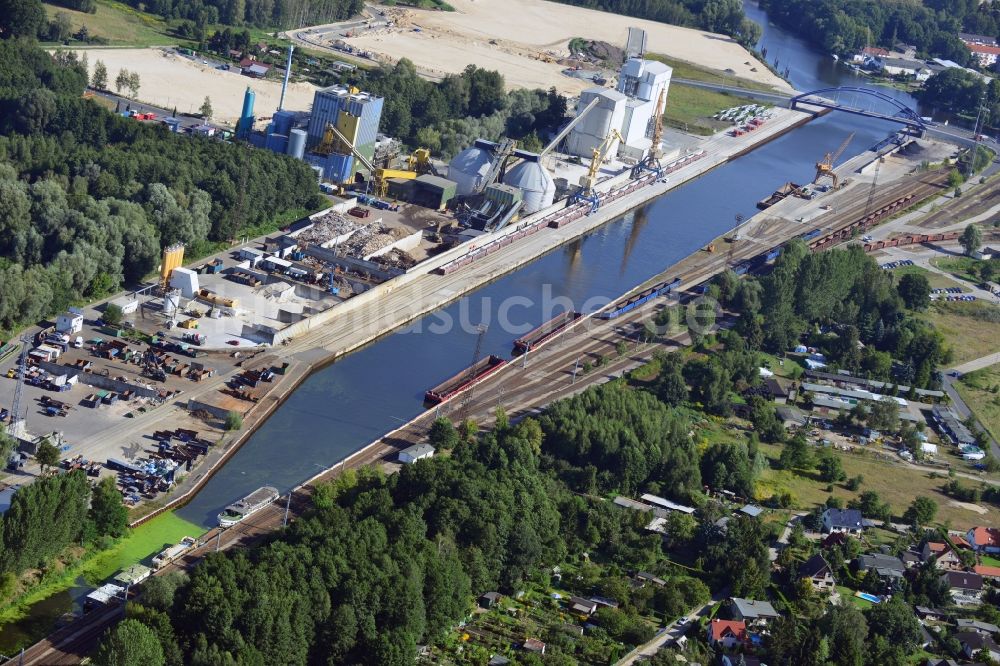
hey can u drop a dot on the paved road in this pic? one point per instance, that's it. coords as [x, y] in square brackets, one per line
[976, 364]
[671, 633]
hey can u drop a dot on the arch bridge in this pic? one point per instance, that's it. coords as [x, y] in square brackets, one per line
[863, 102]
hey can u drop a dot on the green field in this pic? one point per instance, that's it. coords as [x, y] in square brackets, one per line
[936, 280]
[981, 392]
[970, 328]
[965, 268]
[120, 24]
[896, 484]
[691, 109]
[687, 70]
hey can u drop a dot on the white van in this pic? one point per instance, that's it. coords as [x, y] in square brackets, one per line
[78, 343]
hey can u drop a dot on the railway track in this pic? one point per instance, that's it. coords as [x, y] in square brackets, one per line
[524, 386]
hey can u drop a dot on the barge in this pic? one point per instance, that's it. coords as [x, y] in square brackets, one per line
[247, 506]
[779, 195]
[463, 380]
[536, 338]
[631, 303]
[171, 553]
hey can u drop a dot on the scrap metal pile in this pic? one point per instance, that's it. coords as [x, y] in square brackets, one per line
[330, 225]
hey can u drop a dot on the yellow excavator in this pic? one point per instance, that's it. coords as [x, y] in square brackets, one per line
[825, 166]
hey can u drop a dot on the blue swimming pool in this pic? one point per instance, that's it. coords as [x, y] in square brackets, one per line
[868, 597]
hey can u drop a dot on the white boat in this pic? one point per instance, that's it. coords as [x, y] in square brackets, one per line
[247, 506]
[173, 552]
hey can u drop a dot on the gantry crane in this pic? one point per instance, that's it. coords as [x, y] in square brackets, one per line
[601, 152]
[825, 167]
[652, 160]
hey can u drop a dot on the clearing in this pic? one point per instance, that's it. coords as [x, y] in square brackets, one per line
[169, 80]
[980, 390]
[970, 328]
[936, 280]
[523, 39]
[119, 24]
[691, 109]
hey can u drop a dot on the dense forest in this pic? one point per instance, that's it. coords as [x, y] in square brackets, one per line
[722, 16]
[834, 301]
[252, 13]
[844, 27]
[87, 198]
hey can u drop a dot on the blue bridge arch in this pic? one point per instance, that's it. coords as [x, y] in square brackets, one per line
[902, 114]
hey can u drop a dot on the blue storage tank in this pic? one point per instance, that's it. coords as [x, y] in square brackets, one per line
[277, 143]
[282, 122]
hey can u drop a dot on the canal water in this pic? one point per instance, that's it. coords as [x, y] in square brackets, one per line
[361, 397]
[372, 391]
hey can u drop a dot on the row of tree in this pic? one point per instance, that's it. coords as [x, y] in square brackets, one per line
[844, 27]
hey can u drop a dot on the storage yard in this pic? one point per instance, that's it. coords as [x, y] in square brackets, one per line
[526, 39]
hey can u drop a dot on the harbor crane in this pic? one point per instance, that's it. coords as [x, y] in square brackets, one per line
[601, 152]
[652, 160]
[332, 140]
[825, 166]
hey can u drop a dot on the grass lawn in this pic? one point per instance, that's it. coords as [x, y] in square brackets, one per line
[990, 561]
[977, 390]
[936, 280]
[848, 593]
[965, 268]
[970, 328]
[896, 484]
[120, 24]
[691, 109]
[790, 370]
[688, 70]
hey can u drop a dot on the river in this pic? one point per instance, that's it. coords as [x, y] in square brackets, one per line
[361, 397]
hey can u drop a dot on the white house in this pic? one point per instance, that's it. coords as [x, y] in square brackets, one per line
[416, 452]
[70, 322]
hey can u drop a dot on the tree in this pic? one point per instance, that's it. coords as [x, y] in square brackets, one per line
[234, 421]
[131, 643]
[442, 435]
[122, 80]
[61, 27]
[765, 420]
[895, 624]
[7, 446]
[107, 511]
[670, 386]
[133, 83]
[99, 80]
[915, 290]
[847, 630]
[871, 506]
[831, 469]
[21, 18]
[47, 455]
[882, 415]
[113, 314]
[206, 108]
[971, 239]
[796, 454]
[921, 511]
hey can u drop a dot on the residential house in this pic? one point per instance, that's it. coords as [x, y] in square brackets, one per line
[735, 660]
[946, 557]
[966, 587]
[983, 40]
[986, 56]
[533, 645]
[582, 606]
[950, 426]
[965, 624]
[984, 539]
[871, 57]
[834, 539]
[848, 521]
[819, 573]
[416, 452]
[910, 558]
[776, 390]
[889, 569]
[752, 510]
[646, 577]
[489, 600]
[791, 417]
[931, 614]
[973, 641]
[498, 660]
[755, 614]
[727, 634]
[987, 571]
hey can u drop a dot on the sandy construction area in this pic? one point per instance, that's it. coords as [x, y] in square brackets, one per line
[169, 80]
[517, 37]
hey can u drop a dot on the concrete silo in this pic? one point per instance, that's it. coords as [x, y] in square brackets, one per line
[595, 127]
[297, 143]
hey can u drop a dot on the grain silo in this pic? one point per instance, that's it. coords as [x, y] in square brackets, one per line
[468, 169]
[538, 190]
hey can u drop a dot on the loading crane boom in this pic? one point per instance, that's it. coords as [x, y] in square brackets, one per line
[329, 145]
[652, 160]
[569, 128]
[586, 191]
[825, 166]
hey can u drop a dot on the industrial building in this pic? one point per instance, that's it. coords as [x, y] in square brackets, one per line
[629, 109]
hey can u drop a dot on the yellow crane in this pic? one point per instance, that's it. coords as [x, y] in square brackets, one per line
[601, 152]
[825, 166]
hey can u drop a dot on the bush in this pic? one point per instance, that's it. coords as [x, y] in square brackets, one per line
[234, 421]
[113, 314]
